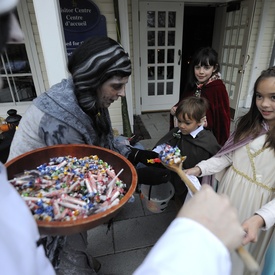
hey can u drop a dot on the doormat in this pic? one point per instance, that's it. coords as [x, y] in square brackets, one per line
[139, 129]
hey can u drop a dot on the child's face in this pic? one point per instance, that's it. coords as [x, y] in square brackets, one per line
[265, 99]
[203, 73]
[187, 125]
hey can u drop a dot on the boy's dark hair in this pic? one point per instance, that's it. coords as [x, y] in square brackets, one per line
[193, 107]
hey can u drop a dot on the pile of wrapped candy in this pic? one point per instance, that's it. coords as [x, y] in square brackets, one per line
[68, 188]
[170, 155]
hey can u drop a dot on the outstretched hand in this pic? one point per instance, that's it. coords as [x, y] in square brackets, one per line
[215, 212]
[194, 171]
[251, 226]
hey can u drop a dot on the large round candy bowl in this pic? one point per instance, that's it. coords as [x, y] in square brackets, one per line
[33, 159]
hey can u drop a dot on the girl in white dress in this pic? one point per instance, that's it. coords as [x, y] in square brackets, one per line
[245, 166]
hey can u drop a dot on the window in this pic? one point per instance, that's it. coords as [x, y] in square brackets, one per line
[20, 68]
[16, 74]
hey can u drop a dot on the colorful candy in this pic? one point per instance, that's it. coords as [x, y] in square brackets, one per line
[170, 155]
[152, 161]
[68, 188]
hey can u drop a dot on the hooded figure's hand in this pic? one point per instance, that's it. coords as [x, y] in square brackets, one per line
[146, 157]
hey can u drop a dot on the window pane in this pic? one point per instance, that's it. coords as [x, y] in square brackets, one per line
[169, 90]
[15, 60]
[170, 72]
[227, 37]
[151, 56]
[151, 38]
[17, 89]
[151, 89]
[150, 19]
[172, 19]
[171, 38]
[160, 72]
[241, 36]
[160, 89]
[234, 37]
[151, 73]
[170, 56]
[161, 19]
[244, 16]
[236, 18]
[225, 55]
[161, 56]
[231, 92]
[161, 38]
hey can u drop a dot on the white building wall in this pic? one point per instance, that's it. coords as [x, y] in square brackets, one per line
[38, 43]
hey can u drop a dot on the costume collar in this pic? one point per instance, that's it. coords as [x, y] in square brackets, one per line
[195, 132]
[211, 79]
[178, 134]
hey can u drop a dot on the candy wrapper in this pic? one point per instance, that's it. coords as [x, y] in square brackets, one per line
[197, 185]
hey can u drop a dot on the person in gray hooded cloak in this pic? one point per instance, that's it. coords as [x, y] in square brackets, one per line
[75, 111]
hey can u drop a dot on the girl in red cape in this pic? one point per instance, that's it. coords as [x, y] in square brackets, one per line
[204, 80]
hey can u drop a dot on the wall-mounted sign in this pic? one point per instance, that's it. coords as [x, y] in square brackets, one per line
[81, 19]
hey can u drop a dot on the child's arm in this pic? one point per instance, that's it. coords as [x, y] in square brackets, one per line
[251, 227]
[210, 166]
[263, 219]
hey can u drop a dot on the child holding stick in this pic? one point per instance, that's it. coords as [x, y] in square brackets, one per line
[194, 141]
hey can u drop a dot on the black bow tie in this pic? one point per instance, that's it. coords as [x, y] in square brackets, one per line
[177, 135]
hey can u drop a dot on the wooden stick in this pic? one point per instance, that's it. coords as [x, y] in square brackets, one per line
[187, 181]
[246, 257]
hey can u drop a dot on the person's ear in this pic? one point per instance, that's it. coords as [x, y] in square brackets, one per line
[215, 68]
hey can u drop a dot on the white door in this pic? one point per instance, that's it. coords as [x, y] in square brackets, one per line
[161, 27]
[234, 49]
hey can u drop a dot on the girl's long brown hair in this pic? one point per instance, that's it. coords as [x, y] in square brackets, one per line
[251, 122]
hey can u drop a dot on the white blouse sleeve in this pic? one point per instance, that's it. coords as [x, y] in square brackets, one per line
[186, 248]
[215, 164]
[267, 212]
